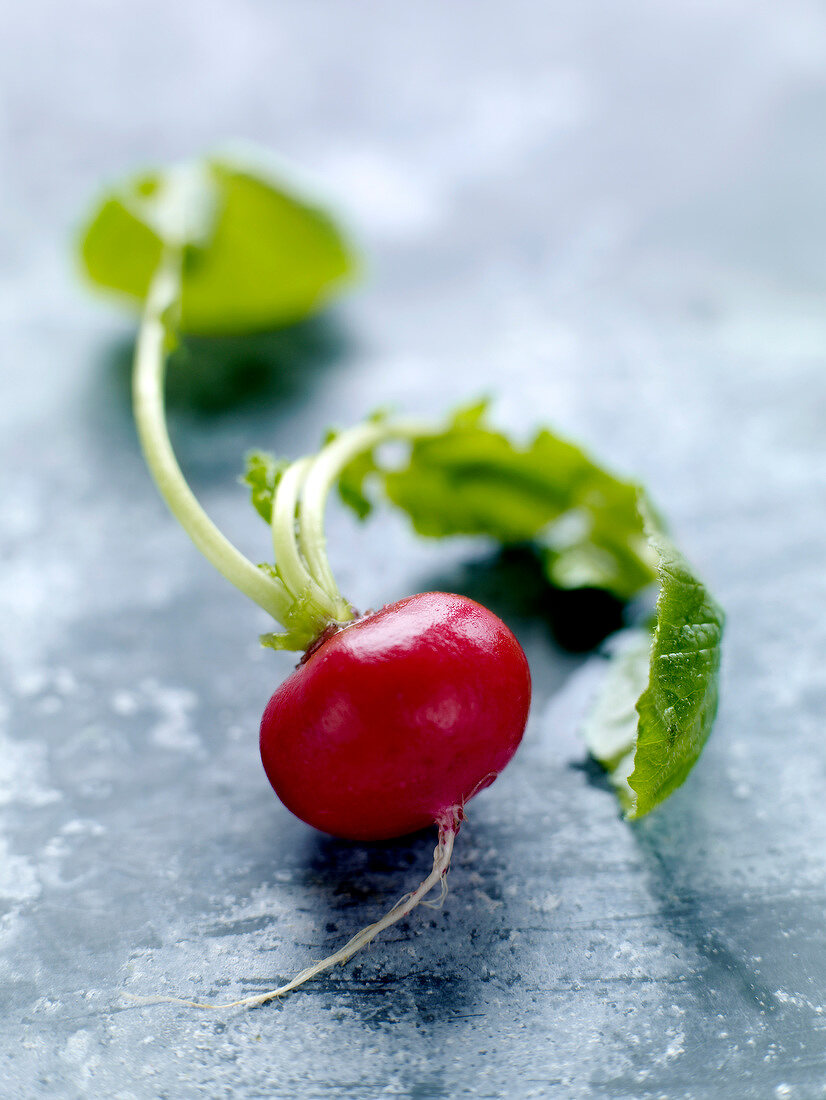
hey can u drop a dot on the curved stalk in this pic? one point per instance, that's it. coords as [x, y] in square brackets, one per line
[148, 398]
[322, 475]
[316, 603]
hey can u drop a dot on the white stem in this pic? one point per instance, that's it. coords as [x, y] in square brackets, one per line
[321, 477]
[441, 865]
[148, 398]
[315, 603]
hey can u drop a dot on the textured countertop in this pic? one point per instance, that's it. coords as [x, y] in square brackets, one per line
[611, 217]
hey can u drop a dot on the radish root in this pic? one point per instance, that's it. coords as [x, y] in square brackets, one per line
[448, 828]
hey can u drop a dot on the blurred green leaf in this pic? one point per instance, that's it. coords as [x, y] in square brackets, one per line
[255, 255]
[472, 480]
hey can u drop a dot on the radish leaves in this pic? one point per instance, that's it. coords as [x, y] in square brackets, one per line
[472, 480]
[678, 706]
[255, 256]
[262, 474]
[656, 707]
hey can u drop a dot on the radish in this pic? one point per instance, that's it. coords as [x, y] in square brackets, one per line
[392, 721]
[395, 721]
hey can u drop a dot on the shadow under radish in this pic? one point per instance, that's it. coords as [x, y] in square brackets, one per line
[431, 960]
[424, 961]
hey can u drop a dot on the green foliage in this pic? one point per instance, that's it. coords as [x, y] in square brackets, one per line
[262, 473]
[610, 728]
[649, 750]
[351, 483]
[472, 480]
[255, 255]
[678, 707]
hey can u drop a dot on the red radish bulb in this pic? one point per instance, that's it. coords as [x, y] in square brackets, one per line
[397, 719]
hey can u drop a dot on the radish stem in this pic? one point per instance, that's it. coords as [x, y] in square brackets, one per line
[323, 605]
[322, 475]
[148, 382]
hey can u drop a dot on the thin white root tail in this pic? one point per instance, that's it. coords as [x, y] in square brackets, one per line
[437, 877]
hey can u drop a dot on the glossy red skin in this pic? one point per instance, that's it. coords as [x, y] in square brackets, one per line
[397, 718]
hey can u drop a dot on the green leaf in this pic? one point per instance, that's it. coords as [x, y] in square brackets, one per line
[678, 707]
[650, 750]
[255, 256]
[472, 480]
[262, 474]
[610, 729]
[351, 483]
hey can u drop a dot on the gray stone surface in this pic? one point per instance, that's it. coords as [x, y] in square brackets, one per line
[612, 217]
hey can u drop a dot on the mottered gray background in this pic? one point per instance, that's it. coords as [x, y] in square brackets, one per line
[611, 217]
